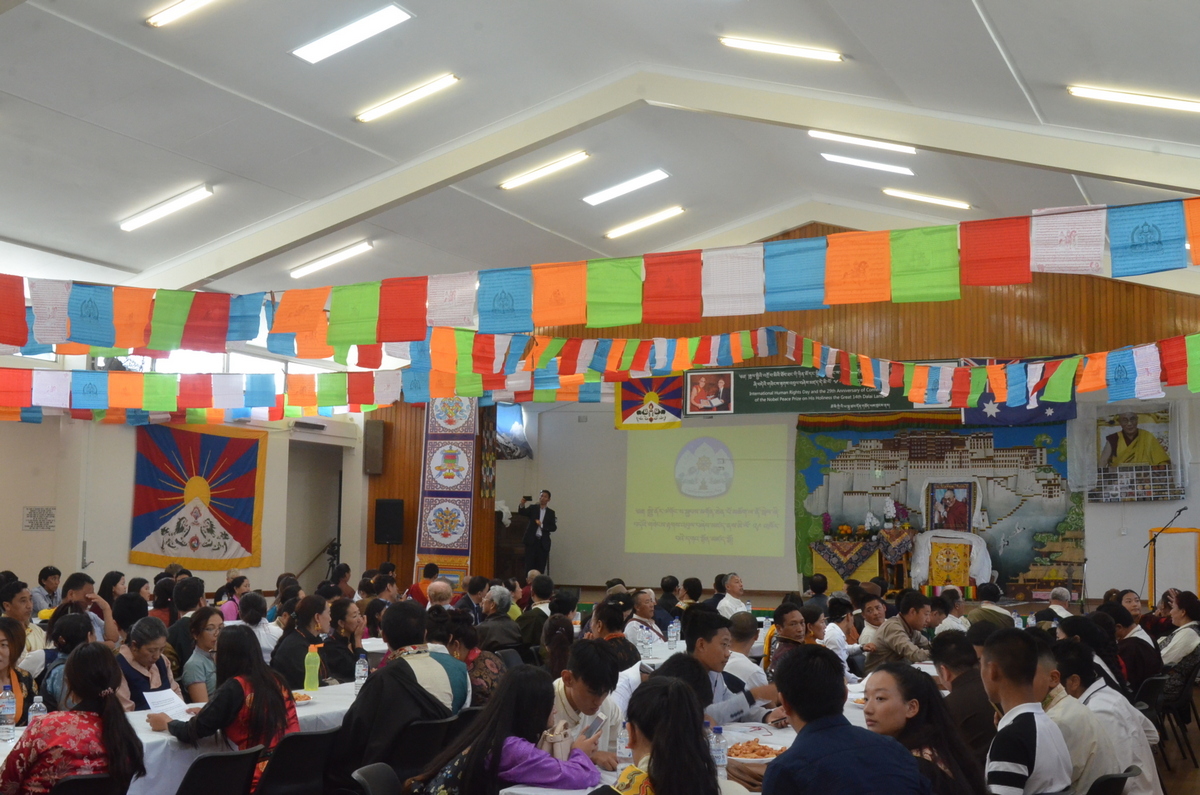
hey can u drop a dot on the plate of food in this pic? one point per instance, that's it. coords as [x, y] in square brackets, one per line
[859, 702]
[754, 751]
[301, 698]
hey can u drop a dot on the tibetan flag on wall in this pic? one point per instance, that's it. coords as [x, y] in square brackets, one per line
[505, 301]
[794, 274]
[858, 268]
[732, 281]
[560, 294]
[614, 292]
[925, 264]
[1067, 240]
[198, 497]
[995, 252]
[1147, 238]
[673, 293]
[650, 404]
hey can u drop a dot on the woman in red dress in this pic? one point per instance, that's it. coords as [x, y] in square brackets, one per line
[93, 737]
[252, 704]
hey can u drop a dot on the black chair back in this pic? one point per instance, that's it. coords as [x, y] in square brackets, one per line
[418, 744]
[1150, 691]
[511, 657]
[377, 779]
[1115, 783]
[231, 772]
[94, 784]
[297, 765]
[464, 719]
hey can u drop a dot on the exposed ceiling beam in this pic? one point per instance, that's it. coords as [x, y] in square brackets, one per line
[1106, 156]
[9, 5]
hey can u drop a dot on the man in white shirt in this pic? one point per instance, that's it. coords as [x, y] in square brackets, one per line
[956, 618]
[840, 619]
[743, 632]
[1090, 747]
[1131, 732]
[641, 627]
[1060, 598]
[584, 693]
[874, 612]
[734, 590]
[710, 642]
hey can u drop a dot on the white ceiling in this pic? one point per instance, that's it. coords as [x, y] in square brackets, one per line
[102, 116]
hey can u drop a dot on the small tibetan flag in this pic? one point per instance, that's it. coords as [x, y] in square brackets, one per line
[1121, 375]
[1173, 354]
[843, 360]
[1147, 238]
[300, 311]
[207, 327]
[125, 390]
[354, 314]
[451, 303]
[995, 252]
[858, 268]
[795, 274]
[13, 330]
[917, 391]
[464, 345]
[332, 389]
[614, 292]
[91, 311]
[559, 294]
[1095, 373]
[402, 309]
[132, 307]
[960, 387]
[683, 354]
[1067, 240]
[160, 392]
[673, 291]
[195, 391]
[506, 301]
[388, 385]
[925, 264]
[443, 350]
[245, 317]
[171, 308]
[932, 385]
[49, 298]
[1058, 388]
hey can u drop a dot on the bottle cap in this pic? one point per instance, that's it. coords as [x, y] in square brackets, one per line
[717, 730]
[312, 649]
[7, 688]
[362, 656]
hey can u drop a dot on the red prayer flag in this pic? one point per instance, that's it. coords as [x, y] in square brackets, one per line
[671, 292]
[370, 356]
[149, 354]
[994, 252]
[402, 309]
[641, 359]
[276, 414]
[522, 397]
[960, 387]
[896, 375]
[494, 381]
[360, 387]
[1047, 371]
[483, 354]
[703, 351]
[13, 330]
[844, 364]
[207, 324]
[1173, 354]
[16, 388]
[568, 357]
[195, 392]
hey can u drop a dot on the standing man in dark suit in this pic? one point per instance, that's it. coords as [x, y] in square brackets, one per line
[542, 523]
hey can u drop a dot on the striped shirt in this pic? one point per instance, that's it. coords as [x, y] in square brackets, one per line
[1028, 754]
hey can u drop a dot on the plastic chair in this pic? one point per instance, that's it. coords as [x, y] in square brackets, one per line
[230, 771]
[1178, 714]
[1114, 784]
[94, 784]
[377, 779]
[464, 719]
[512, 658]
[297, 765]
[419, 742]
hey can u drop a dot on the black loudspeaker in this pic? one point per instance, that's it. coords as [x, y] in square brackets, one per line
[373, 447]
[389, 521]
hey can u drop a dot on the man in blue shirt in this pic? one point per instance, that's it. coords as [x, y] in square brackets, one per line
[829, 756]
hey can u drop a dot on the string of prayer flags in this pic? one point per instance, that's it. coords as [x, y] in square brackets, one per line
[732, 281]
[1148, 381]
[673, 292]
[354, 314]
[994, 253]
[49, 299]
[506, 300]
[614, 292]
[925, 264]
[794, 274]
[402, 314]
[1121, 375]
[207, 326]
[1174, 357]
[559, 294]
[451, 300]
[1095, 373]
[1058, 387]
[1067, 240]
[245, 317]
[13, 328]
[300, 311]
[858, 268]
[90, 309]
[1147, 238]
[170, 314]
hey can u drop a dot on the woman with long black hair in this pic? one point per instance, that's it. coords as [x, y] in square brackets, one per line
[670, 749]
[499, 749]
[111, 586]
[905, 703]
[1108, 662]
[344, 644]
[307, 626]
[252, 704]
[93, 737]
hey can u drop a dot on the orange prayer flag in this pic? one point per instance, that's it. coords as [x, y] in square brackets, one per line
[920, 382]
[858, 268]
[301, 311]
[113, 417]
[615, 354]
[571, 380]
[132, 307]
[443, 350]
[311, 344]
[301, 389]
[735, 348]
[1095, 371]
[868, 373]
[9, 414]
[568, 394]
[72, 349]
[998, 381]
[214, 416]
[559, 294]
[539, 344]
[1191, 216]
[441, 385]
[683, 356]
[309, 411]
[125, 390]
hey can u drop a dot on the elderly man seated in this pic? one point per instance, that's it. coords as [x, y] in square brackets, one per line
[735, 589]
[439, 592]
[498, 630]
[1060, 598]
[641, 627]
[901, 638]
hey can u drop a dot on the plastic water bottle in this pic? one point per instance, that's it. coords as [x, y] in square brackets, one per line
[720, 753]
[37, 710]
[361, 669]
[1017, 622]
[8, 714]
[624, 752]
[673, 634]
[312, 669]
[749, 607]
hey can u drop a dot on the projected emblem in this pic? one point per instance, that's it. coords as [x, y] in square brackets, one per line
[704, 468]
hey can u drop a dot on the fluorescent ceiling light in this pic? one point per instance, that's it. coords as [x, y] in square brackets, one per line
[850, 139]
[628, 186]
[642, 223]
[344, 38]
[169, 15]
[332, 259]
[1135, 99]
[546, 170]
[166, 208]
[921, 197]
[781, 49]
[445, 81]
[853, 161]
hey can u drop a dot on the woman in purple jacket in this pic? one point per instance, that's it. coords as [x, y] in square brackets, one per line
[499, 749]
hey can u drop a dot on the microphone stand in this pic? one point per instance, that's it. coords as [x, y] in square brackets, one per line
[1153, 544]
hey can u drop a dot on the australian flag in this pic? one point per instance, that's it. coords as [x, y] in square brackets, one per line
[1035, 411]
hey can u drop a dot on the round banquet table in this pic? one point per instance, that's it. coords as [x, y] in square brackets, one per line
[167, 759]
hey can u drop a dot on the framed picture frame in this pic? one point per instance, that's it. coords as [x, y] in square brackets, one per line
[709, 392]
[950, 506]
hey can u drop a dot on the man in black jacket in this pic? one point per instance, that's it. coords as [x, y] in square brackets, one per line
[542, 522]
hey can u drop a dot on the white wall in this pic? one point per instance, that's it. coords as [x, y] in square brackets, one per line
[314, 473]
[28, 477]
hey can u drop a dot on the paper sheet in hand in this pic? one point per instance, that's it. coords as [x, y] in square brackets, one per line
[166, 701]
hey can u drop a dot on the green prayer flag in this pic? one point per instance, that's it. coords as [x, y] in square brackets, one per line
[464, 345]
[855, 375]
[553, 348]
[197, 417]
[160, 392]
[353, 314]
[614, 292]
[747, 344]
[99, 414]
[1060, 385]
[545, 396]
[171, 309]
[925, 264]
[978, 385]
[806, 358]
[1192, 344]
[341, 354]
[331, 389]
[909, 369]
[468, 385]
[627, 355]
[108, 353]
[693, 346]
[293, 411]
[592, 377]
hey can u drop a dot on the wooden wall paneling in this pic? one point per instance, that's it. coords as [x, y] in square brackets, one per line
[403, 439]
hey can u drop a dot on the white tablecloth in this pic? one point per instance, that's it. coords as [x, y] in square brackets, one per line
[167, 759]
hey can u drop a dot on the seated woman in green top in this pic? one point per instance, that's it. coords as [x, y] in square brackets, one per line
[199, 677]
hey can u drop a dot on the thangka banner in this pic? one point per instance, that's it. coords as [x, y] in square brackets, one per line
[650, 404]
[448, 485]
[198, 497]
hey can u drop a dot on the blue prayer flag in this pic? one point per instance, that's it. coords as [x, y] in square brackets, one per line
[280, 344]
[1121, 374]
[724, 353]
[600, 357]
[33, 347]
[245, 316]
[1018, 394]
[931, 384]
[89, 389]
[505, 300]
[664, 367]
[589, 393]
[137, 417]
[516, 349]
[794, 272]
[547, 377]
[415, 385]
[260, 390]
[90, 309]
[32, 414]
[1147, 238]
